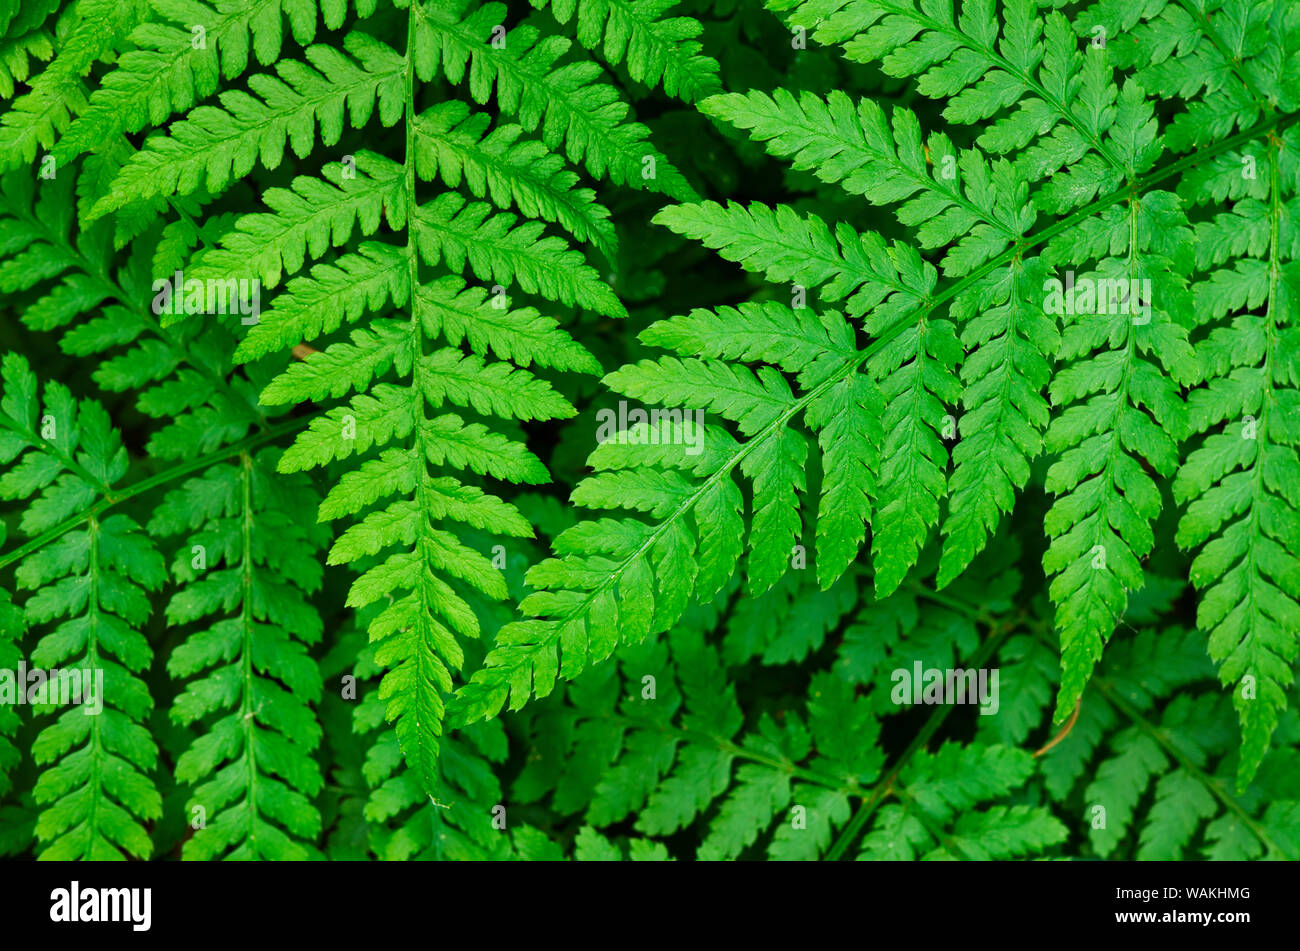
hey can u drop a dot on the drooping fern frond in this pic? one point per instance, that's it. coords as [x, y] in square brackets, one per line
[412, 480]
[1242, 483]
[95, 791]
[459, 822]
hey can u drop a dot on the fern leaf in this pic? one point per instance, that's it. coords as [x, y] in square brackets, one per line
[511, 170]
[57, 94]
[95, 788]
[1242, 484]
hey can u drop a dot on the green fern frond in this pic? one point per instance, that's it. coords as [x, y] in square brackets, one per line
[252, 767]
[660, 740]
[305, 221]
[962, 201]
[178, 371]
[1242, 483]
[415, 569]
[1156, 777]
[591, 846]
[660, 562]
[63, 455]
[1227, 61]
[499, 248]
[937, 817]
[26, 36]
[515, 511]
[454, 145]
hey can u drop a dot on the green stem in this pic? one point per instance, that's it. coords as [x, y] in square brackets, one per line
[247, 711]
[883, 788]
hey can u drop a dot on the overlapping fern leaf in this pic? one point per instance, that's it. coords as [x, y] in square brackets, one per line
[404, 363]
[1072, 339]
[1150, 764]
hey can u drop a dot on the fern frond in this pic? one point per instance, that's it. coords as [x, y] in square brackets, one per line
[453, 231]
[179, 371]
[660, 740]
[457, 823]
[963, 202]
[1121, 408]
[420, 573]
[838, 397]
[26, 36]
[975, 208]
[937, 817]
[1242, 483]
[305, 221]
[454, 145]
[252, 767]
[1226, 61]
[990, 61]
[95, 788]
[1159, 786]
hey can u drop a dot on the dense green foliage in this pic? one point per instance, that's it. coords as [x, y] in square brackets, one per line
[555, 429]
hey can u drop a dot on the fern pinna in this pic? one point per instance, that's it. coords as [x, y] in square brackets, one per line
[552, 429]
